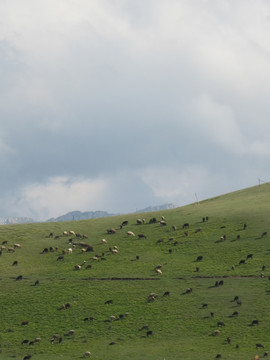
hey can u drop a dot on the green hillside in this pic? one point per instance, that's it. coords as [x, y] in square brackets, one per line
[222, 253]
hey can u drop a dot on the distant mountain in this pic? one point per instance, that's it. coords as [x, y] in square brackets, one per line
[78, 215]
[16, 220]
[157, 208]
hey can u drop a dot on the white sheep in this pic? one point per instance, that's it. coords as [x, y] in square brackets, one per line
[77, 267]
[71, 232]
[69, 250]
[87, 354]
[17, 246]
[158, 271]
[103, 241]
[130, 233]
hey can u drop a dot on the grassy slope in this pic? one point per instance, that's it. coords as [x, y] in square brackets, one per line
[181, 328]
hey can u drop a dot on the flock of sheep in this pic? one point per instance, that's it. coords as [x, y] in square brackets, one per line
[77, 242]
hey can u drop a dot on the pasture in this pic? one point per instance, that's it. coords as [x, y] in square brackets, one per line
[118, 306]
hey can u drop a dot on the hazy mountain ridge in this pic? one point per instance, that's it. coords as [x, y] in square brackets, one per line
[81, 215]
[16, 220]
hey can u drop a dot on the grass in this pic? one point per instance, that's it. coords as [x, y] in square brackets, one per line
[181, 327]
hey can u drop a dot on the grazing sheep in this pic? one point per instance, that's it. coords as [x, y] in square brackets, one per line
[229, 339]
[264, 234]
[186, 233]
[36, 283]
[245, 226]
[185, 226]
[238, 237]
[174, 228]
[60, 257]
[197, 269]
[249, 256]
[152, 296]
[199, 258]
[255, 322]
[259, 346]
[153, 220]
[163, 223]
[189, 290]
[130, 233]
[65, 233]
[141, 236]
[144, 327]
[77, 267]
[139, 221]
[108, 302]
[71, 232]
[242, 261]
[160, 241]
[87, 354]
[204, 306]
[235, 313]
[216, 332]
[25, 322]
[10, 249]
[19, 278]
[220, 323]
[17, 246]
[15, 263]
[124, 223]
[198, 230]
[149, 333]
[159, 271]
[167, 293]
[103, 241]
[221, 283]
[236, 298]
[111, 231]
[218, 356]
[25, 341]
[233, 267]
[239, 302]
[27, 357]
[112, 317]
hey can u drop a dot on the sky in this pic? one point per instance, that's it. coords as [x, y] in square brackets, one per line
[117, 105]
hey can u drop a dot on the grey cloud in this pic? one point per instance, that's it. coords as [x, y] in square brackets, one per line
[112, 91]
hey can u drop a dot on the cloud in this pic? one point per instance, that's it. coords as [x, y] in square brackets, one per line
[177, 185]
[129, 96]
[57, 196]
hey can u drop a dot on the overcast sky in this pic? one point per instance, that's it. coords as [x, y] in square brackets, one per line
[116, 105]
